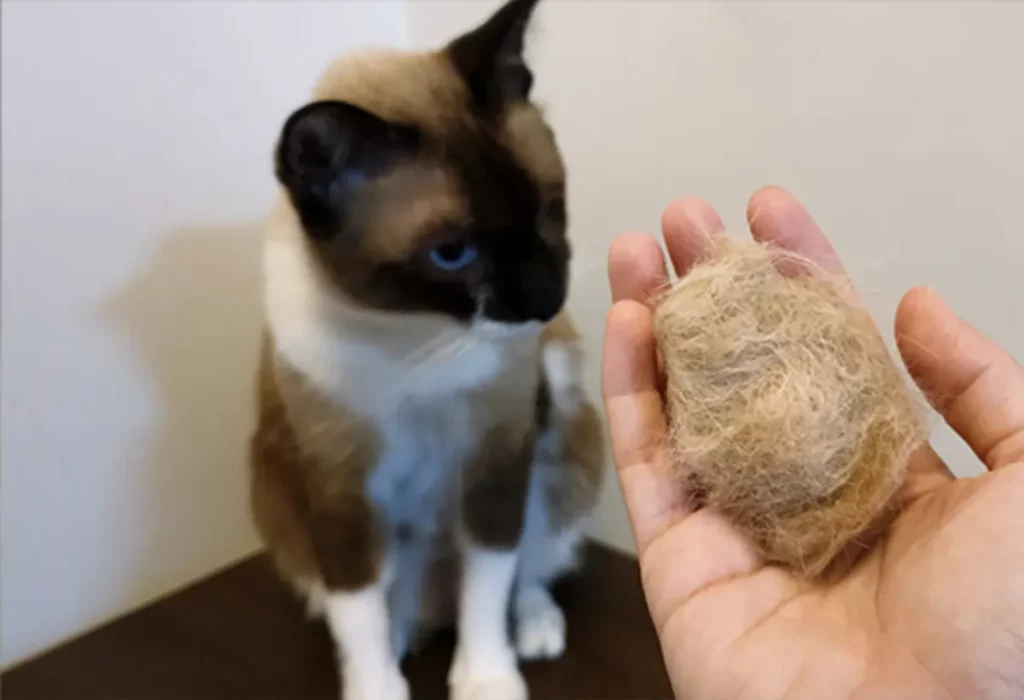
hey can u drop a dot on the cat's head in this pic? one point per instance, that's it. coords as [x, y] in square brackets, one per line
[429, 182]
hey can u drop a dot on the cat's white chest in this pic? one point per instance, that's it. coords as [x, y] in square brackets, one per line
[430, 425]
[425, 445]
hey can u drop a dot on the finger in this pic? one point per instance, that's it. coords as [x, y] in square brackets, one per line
[976, 385]
[688, 225]
[636, 267]
[777, 217]
[636, 423]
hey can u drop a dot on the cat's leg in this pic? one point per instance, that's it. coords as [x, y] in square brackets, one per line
[351, 552]
[545, 556]
[564, 486]
[329, 545]
[411, 557]
[492, 512]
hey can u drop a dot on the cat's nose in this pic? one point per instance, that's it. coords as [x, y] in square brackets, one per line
[537, 294]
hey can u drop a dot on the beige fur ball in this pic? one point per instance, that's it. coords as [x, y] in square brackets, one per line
[786, 411]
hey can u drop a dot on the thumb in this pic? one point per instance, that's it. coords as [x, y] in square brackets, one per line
[975, 384]
[680, 551]
[636, 423]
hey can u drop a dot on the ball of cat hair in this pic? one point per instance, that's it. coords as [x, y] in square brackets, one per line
[786, 412]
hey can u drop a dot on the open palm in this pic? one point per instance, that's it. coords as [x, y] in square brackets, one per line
[936, 609]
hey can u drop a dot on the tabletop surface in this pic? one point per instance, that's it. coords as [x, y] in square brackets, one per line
[241, 634]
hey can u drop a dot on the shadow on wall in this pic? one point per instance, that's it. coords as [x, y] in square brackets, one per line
[193, 318]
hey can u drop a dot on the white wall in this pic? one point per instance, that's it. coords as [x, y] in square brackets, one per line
[136, 161]
[136, 140]
[898, 124]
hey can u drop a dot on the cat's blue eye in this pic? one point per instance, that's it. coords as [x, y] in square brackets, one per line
[453, 256]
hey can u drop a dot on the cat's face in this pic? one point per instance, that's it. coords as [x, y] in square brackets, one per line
[429, 182]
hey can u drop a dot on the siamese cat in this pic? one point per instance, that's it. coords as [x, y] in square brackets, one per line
[425, 454]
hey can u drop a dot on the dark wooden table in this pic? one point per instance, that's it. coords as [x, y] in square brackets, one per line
[240, 634]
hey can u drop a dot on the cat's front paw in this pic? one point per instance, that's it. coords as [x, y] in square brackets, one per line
[374, 684]
[540, 626]
[480, 680]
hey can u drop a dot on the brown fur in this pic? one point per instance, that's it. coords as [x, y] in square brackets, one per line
[415, 88]
[422, 89]
[575, 482]
[787, 413]
[525, 133]
[409, 205]
[309, 460]
[494, 494]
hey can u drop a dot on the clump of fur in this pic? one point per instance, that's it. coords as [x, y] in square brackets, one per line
[786, 411]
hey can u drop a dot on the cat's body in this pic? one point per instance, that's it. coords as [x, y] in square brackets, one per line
[425, 454]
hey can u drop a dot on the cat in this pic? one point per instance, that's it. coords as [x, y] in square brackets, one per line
[425, 454]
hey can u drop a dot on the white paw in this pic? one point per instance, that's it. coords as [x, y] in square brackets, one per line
[485, 681]
[540, 626]
[377, 684]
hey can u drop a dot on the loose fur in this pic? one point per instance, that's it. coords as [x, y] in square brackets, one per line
[787, 413]
[425, 455]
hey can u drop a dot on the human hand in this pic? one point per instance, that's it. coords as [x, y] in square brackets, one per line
[935, 610]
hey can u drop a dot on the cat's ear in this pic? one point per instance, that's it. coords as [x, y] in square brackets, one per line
[327, 151]
[490, 58]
